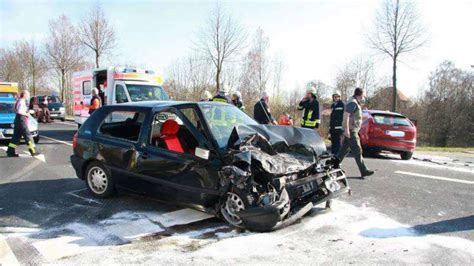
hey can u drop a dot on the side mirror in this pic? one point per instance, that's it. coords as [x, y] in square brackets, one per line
[202, 153]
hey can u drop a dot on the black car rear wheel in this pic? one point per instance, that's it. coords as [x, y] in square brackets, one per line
[99, 180]
[406, 155]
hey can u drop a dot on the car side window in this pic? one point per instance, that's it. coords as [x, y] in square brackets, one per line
[123, 124]
[120, 95]
[169, 132]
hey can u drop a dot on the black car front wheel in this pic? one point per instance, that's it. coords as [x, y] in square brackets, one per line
[99, 180]
[233, 204]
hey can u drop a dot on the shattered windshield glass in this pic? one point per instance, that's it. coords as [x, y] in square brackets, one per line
[222, 118]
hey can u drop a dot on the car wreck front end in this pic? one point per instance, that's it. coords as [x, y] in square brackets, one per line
[275, 175]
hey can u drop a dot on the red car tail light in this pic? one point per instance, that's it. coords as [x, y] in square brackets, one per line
[74, 141]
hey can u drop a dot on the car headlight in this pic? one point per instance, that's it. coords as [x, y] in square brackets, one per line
[61, 109]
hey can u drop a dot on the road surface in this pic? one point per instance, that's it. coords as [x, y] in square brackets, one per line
[417, 211]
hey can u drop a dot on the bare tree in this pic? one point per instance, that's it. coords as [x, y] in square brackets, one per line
[397, 30]
[278, 68]
[33, 63]
[10, 68]
[256, 68]
[189, 77]
[63, 51]
[359, 72]
[221, 40]
[96, 33]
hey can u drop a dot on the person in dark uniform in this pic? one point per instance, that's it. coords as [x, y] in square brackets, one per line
[96, 101]
[310, 106]
[261, 111]
[21, 127]
[351, 123]
[335, 123]
[237, 100]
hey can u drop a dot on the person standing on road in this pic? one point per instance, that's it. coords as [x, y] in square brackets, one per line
[237, 100]
[21, 127]
[44, 108]
[310, 105]
[261, 111]
[96, 102]
[352, 121]
[335, 123]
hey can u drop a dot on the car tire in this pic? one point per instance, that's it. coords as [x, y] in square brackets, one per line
[36, 139]
[63, 119]
[99, 180]
[406, 155]
[369, 153]
[234, 202]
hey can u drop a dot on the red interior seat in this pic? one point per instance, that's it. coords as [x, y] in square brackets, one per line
[169, 131]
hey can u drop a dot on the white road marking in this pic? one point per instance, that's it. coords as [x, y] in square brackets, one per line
[434, 165]
[26, 154]
[66, 123]
[89, 200]
[56, 248]
[7, 257]
[56, 140]
[436, 177]
[183, 216]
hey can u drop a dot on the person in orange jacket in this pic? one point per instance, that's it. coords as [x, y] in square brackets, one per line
[285, 120]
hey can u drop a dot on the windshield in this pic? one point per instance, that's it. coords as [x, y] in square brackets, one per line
[222, 118]
[391, 120]
[7, 108]
[7, 94]
[51, 99]
[140, 93]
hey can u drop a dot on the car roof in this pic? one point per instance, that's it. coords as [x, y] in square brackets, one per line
[154, 104]
[7, 100]
[381, 112]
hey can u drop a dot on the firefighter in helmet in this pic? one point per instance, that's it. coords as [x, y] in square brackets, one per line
[310, 107]
[222, 95]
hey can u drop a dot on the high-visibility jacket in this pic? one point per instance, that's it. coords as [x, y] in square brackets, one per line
[221, 99]
[311, 113]
[239, 105]
[337, 114]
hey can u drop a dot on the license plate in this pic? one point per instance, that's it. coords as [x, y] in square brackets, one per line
[395, 133]
[332, 185]
[307, 188]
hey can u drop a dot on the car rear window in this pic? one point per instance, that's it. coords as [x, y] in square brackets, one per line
[123, 124]
[391, 120]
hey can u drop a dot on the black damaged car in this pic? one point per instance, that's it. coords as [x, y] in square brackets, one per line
[208, 156]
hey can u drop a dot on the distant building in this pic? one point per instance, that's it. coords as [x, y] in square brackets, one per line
[383, 98]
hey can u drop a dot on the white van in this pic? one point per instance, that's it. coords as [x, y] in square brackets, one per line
[116, 85]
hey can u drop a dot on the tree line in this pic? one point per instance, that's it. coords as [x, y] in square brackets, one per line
[224, 53]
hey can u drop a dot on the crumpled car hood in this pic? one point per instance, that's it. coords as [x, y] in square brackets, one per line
[279, 150]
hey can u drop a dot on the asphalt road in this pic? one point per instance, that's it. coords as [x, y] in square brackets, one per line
[44, 207]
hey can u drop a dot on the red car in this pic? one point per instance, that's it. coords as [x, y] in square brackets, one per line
[387, 131]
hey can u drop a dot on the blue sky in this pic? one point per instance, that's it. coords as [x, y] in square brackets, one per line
[314, 37]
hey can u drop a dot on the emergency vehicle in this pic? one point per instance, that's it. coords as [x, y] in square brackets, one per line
[8, 89]
[116, 85]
